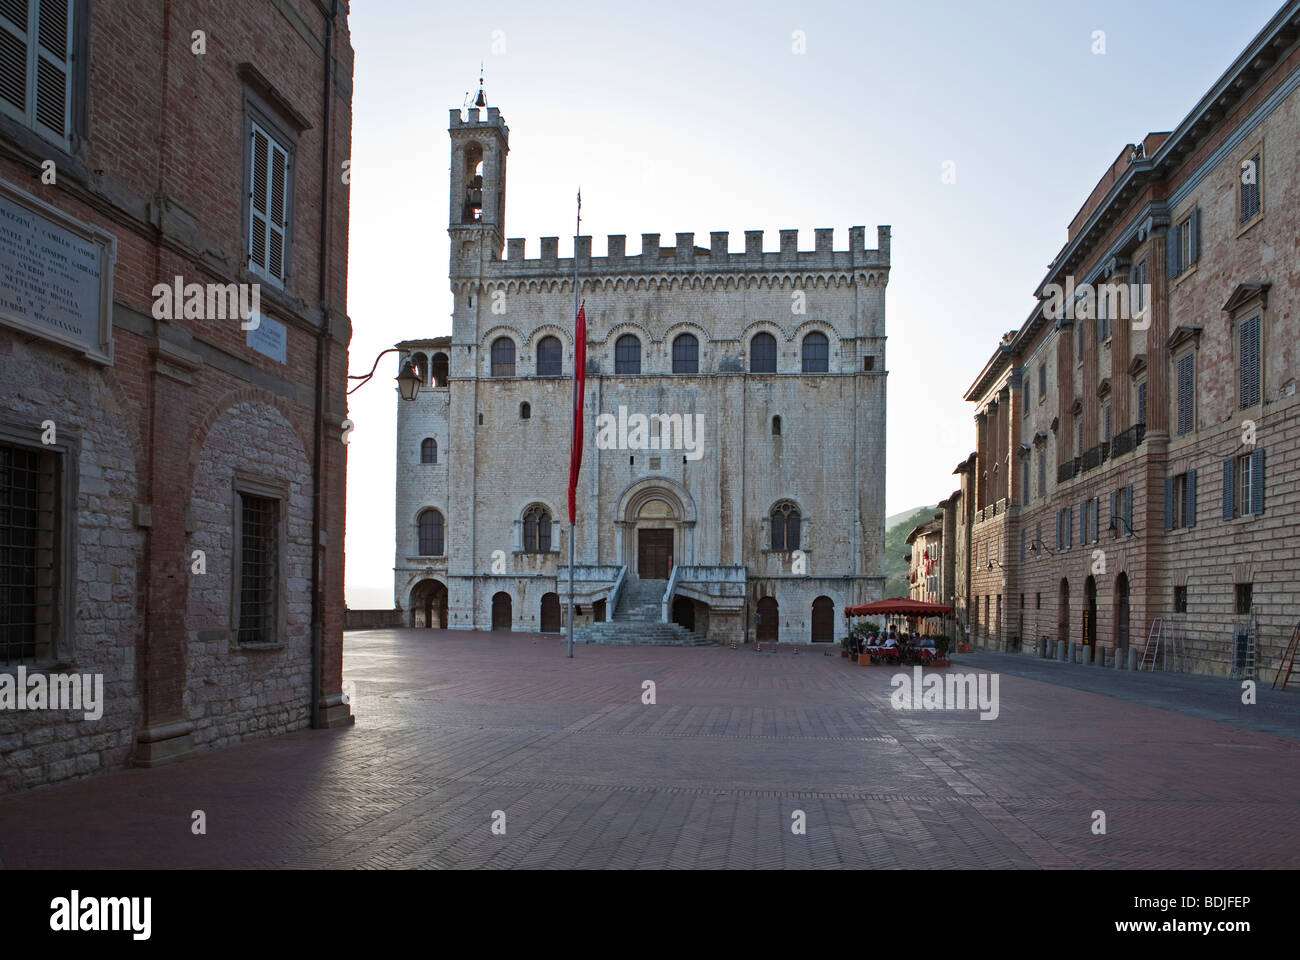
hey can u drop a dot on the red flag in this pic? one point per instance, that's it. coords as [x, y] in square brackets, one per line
[579, 380]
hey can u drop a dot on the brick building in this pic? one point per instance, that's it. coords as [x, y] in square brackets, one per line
[173, 361]
[767, 526]
[1137, 437]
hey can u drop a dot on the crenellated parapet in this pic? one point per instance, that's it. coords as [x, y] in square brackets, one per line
[685, 259]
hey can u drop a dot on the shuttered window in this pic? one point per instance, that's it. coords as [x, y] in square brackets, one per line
[1252, 179]
[1249, 362]
[1105, 423]
[1042, 473]
[36, 65]
[1186, 395]
[1142, 403]
[268, 203]
[1042, 381]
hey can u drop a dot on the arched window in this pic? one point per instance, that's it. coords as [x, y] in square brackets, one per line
[431, 529]
[816, 353]
[785, 526]
[686, 354]
[525, 411]
[549, 357]
[421, 364]
[762, 353]
[627, 354]
[429, 450]
[537, 530]
[441, 369]
[776, 426]
[503, 357]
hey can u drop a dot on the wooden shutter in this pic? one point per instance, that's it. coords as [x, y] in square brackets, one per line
[1257, 480]
[1250, 363]
[1229, 487]
[1059, 514]
[14, 57]
[1083, 522]
[1142, 403]
[1250, 192]
[53, 66]
[1169, 503]
[1185, 387]
[1171, 251]
[1114, 508]
[1023, 534]
[1096, 519]
[1069, 527]
[1194, 246]
[1191, 498]
[1128, 510]
[268, 203]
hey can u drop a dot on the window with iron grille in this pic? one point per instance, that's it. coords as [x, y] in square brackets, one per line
[537, 530]
[30, 529]
[36, 65]
[762, 353]
[431, 534]
[429, 450]
[686, 354]
[549, 357]
[627, 354]
[1186, 393]
[268, 204]
[258, 566]
[1248, 365]
[785, 526]
[1241, 499]
[503, 357]
[1252, 179]
[816, 353]
[1042, 382]
[1180, 599]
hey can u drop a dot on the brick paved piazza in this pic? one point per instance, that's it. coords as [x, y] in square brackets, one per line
[454, 726]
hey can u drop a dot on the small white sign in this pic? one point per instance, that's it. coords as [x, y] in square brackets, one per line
[268, 337]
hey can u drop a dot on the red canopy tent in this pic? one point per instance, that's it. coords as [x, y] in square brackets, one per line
[902, 606]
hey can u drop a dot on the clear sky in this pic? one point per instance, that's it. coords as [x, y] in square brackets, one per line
[701, 116]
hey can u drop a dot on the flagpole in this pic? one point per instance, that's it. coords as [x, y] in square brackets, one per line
[577, 231]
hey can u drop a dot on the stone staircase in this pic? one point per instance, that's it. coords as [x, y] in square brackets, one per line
[636, 621]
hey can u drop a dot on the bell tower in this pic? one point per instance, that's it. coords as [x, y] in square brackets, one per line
[476, 219]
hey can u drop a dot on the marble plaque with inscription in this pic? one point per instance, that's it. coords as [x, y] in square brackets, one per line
[55, 274]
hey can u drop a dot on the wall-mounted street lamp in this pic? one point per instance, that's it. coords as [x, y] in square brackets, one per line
[992, 562]
[1114, 529]
[408, 381]
[1038, 545]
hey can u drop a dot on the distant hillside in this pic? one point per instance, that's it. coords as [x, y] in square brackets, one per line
[897, 528]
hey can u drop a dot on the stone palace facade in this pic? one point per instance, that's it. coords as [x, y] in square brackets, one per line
[756, 501]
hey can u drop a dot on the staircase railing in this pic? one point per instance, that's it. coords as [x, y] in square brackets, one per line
[614, 591]
[665, 612]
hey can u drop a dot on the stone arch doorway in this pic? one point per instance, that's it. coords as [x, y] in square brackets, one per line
[684, 612]
[502, 614]
[655, 522]
[1121, 614]
[823, 620]
[1090, 613]
[769, 620]
[428, 606]
[550, 619]
[1063, 613]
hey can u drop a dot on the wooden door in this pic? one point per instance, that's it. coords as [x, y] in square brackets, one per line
[769, 618]
[550, 613]
[654, 547]
[501, 615]
[823, 620]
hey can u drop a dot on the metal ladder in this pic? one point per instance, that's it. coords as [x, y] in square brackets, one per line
[1152, 649]
[1246, 669]
[1288, 659]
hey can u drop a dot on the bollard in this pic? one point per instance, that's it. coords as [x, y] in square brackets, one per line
[1060, 650]
[1118, 663]
[1132, 658]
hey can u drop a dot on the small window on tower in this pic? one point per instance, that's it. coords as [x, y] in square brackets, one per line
[776, 426]
[473, 211]
[525, 411]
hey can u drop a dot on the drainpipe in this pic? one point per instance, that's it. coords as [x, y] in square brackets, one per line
[318, 447]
